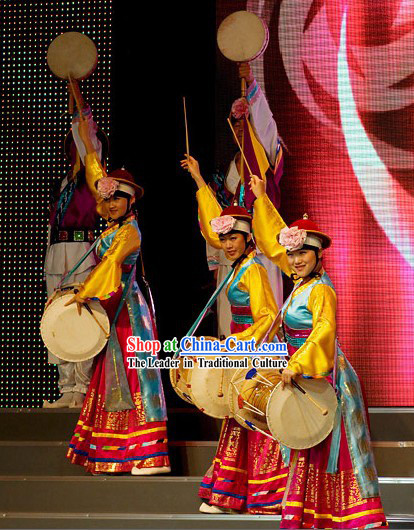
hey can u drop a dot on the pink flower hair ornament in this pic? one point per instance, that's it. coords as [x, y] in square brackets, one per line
[223, 224]
[292, 238]
[240, 108]
[107, 187]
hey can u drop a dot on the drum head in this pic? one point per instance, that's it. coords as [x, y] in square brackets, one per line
[242, 36]
[243, 392]
[70, 336]
[210, 390]
[72, 54]
[181, 379]
[294, 420]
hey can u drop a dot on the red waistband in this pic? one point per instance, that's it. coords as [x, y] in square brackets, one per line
[242, 311]
[297, 333]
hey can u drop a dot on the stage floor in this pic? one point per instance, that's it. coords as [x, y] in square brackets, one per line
[39, 488]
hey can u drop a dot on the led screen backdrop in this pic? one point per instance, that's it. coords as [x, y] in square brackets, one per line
[34, 122]
[339, 76]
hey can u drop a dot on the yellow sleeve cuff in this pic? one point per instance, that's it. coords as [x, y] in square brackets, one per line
[94, 172]
[105, 279]
[208, 209]
[267, 224]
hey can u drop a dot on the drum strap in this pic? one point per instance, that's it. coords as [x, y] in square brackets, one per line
[272, 325]
[64, 278]
[200, 317]
[117, 393]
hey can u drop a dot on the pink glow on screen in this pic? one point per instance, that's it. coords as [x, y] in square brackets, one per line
[346, 116]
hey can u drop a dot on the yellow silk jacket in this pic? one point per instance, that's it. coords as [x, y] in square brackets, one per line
[118, 245]
[310, 306]
[249, 286]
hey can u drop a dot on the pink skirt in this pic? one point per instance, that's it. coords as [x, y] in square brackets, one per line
[317, 499]
[114, 442]
[247, 474]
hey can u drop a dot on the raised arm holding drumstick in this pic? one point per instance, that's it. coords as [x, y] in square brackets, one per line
[234, 482]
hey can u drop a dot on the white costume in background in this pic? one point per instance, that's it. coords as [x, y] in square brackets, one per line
[265, 128]
[62, 256]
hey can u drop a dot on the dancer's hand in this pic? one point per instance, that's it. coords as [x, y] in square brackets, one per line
[287, 376]
[257, 185]
[191, 165]
[78, 300]
[246, 72]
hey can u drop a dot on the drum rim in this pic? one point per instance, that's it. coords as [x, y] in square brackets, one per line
[92, 67]
[47, 343]
[233, 399]
[264, 43]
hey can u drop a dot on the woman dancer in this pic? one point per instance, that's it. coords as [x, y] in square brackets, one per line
[334, 484]
[122, 425]
[248, 473]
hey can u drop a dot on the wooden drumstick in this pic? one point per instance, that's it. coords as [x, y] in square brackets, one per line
[240, 147]
[78, 104]
[243, 87]
[323, 410]
[107, 335]
[186, 129]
